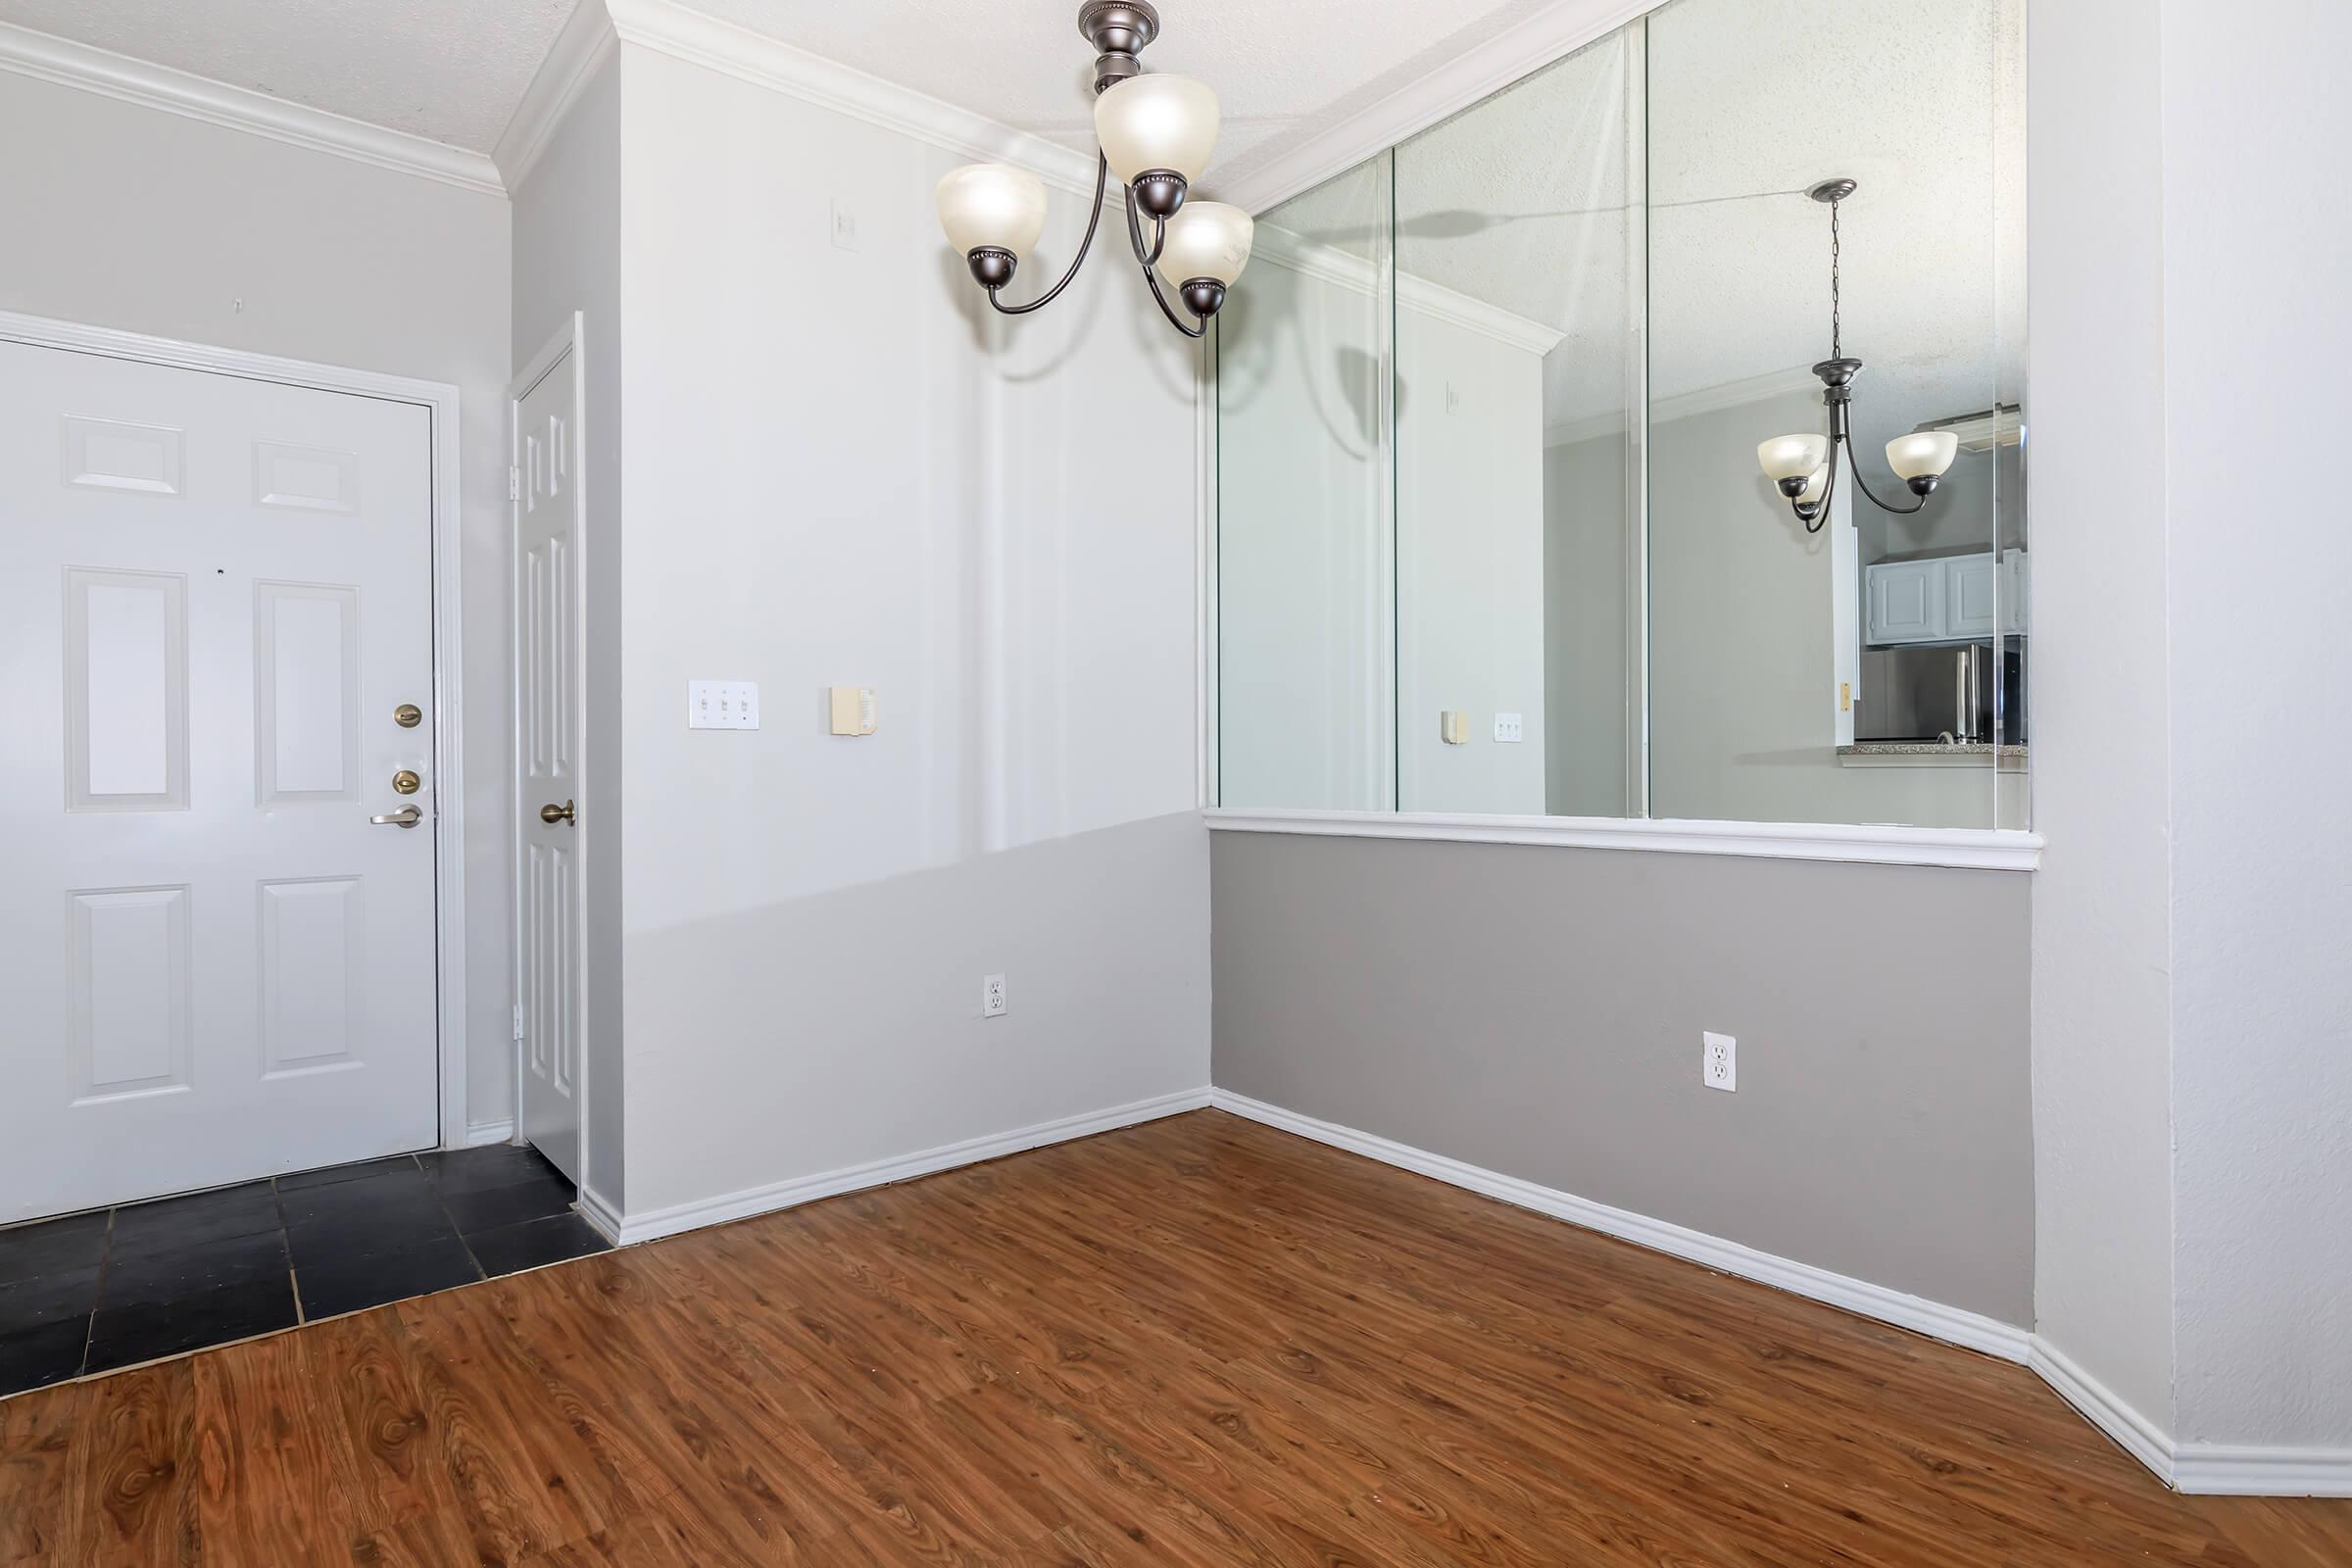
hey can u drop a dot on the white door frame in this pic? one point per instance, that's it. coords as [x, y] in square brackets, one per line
[569, 338]
[439, 400]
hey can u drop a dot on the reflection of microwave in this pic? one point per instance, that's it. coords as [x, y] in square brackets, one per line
[1923, 693]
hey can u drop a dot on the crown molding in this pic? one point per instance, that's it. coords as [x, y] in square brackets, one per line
[1558, 29]
[1442, 304]
[571, 62]
[671, 28]
[1361, 274]
[45, 57]
[1685, 405]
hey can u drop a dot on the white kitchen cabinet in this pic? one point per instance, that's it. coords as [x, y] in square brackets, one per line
[1948, 599]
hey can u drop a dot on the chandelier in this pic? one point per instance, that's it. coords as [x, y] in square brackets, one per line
[1804, 468]
[1156, 133]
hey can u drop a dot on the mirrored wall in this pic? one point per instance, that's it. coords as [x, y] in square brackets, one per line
[1493, 535]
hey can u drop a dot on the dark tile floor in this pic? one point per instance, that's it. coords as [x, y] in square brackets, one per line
[90, 1293]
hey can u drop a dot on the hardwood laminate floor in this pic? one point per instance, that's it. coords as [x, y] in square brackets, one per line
[1194, 1342]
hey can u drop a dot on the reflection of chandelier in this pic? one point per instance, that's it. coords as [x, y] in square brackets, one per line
[1157, 133]
[1805, 466]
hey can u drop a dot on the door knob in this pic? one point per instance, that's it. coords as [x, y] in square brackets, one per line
[556, 814]
[405, 816]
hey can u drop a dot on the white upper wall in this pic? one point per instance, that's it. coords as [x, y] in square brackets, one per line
[150, 222]
[2102, 704]
[2256, 124]
[842, 469]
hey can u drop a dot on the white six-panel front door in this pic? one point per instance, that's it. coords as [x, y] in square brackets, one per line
[215, 594]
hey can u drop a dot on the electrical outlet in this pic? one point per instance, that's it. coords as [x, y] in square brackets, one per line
[992, 996]
[1510, 728]
[1719, 1062]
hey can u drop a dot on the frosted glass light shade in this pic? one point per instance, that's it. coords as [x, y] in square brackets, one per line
[991, 205]
[1926, 453]
[1810, 495]
[1155, 121]
[1206, 239]
[1791, 456]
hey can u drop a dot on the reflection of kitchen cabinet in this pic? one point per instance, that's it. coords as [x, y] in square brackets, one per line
[1946, 599]
[1967, 596]
[1906, 602]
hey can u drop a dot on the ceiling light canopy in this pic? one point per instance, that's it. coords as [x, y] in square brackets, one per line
[1155, 132]
[1804, 468]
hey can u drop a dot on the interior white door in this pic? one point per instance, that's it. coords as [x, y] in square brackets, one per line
[548, 725]
[215, 592]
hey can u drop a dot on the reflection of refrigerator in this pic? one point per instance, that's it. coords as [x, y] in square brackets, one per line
[1925, 693]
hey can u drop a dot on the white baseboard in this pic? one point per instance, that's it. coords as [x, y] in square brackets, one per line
[479, 1133]
[1970, 1330]
[601, 1215]
[2134, 1432]
[626, 1229]
[2208, 1468]
[2236, 1470]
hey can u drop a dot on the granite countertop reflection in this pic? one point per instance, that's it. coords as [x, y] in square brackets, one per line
[1929, 749]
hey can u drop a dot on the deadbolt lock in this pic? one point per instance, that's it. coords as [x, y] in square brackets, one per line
[408, 716]
[405, 782]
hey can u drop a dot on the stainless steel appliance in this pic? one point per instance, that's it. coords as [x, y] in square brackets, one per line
[1931, 693]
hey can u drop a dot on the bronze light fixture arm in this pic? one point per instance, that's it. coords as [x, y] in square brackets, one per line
[1093, 221]
[1135, 235]
[1863, 485]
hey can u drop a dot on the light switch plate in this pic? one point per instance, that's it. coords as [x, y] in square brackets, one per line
[723, 704]
[845, 226]
[1510, 728]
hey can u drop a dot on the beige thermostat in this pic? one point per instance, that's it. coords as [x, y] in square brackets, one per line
[853, 709]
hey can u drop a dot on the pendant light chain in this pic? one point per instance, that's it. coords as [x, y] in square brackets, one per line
[1837, 340]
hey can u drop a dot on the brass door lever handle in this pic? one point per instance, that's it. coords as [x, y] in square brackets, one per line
[556, 814]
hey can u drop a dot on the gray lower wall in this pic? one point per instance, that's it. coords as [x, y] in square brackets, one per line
[1538, 1012]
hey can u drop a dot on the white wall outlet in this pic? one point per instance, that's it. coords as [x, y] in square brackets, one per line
[723, 704]
[845, 226]
[1719, 1062]
[992, 996]
[1510, 728]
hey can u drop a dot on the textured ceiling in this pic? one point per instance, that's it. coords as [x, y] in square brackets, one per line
[1522, 202]
[451, 71]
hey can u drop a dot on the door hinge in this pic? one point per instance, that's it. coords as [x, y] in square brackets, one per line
[513, 484]
[518, 1021]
